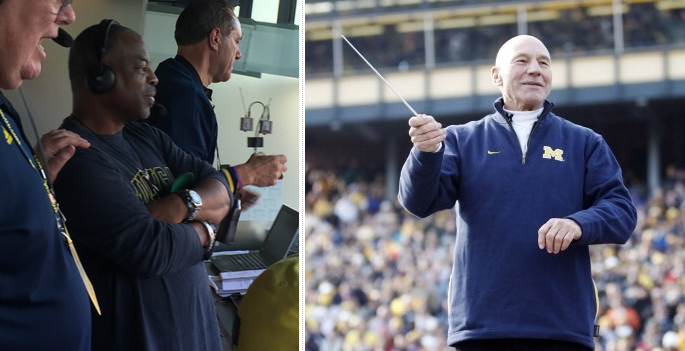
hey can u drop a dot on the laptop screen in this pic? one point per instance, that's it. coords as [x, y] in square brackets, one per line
[280, 237]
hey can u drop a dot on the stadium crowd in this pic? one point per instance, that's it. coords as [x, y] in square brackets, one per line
[575, 31]
[377, 277]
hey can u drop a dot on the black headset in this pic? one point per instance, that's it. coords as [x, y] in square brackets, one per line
[99, 77]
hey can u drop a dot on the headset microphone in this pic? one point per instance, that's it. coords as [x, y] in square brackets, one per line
[100, 78]
[158, 109]
[63, 38]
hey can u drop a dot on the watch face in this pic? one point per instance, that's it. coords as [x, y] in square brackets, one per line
[195, 197]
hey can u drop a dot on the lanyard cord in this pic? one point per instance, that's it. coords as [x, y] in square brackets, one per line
[29, 158]
[46, 174]
[59, 216]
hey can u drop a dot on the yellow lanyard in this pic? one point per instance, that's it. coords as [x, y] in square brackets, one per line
[59, 216]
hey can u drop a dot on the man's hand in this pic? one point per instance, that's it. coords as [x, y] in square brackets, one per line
[248, 198]
[59, 145]
[262, 169]
[426, 134]
[173, 209]
[557, 234]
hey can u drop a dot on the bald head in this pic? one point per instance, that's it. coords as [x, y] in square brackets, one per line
[523, 72]
[513, 45]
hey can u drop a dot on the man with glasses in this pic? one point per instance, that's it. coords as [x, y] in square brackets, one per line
[43, 302]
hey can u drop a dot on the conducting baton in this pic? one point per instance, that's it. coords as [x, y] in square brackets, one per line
[380, 76]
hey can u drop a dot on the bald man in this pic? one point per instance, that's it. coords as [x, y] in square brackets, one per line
[533, 192]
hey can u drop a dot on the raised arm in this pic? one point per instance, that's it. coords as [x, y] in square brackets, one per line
[425, 187]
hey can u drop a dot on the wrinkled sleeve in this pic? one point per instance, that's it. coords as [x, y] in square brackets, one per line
[104, 214]
[609, 215]
[179, 161]
[429, 181]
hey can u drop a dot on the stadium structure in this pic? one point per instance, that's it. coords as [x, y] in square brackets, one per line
[617, 64]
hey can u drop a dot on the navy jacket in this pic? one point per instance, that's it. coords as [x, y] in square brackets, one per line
[190, 120]
[43, 302]
[502, 284]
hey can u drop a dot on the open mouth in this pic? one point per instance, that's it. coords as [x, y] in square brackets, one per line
[41, 50]
[150, 99]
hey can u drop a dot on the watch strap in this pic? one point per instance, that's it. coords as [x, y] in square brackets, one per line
[209, 248]
[193, 208]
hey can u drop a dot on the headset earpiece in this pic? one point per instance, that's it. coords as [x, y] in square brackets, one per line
[100, 78]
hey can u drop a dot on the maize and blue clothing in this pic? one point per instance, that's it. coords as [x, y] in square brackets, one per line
[502, 284]
[43, 302]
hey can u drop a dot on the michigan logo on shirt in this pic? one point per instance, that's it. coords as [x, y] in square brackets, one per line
[159, 176]
[556, 154]
[8, 136]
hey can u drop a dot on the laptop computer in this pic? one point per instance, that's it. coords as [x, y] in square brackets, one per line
[275, 247]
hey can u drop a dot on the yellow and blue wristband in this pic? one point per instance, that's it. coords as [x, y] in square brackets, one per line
[233, 178]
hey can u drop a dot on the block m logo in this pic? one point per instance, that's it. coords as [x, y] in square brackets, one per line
[557, 154]
[8, 136]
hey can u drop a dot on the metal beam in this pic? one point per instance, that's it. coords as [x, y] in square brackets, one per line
[245, 8]
[286, 11]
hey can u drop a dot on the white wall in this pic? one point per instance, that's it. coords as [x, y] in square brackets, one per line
[284, 112]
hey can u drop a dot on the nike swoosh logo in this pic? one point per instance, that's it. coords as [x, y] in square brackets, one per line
[490, 152]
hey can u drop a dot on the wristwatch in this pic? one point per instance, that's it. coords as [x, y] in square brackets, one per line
[209, 248]
[192, 200]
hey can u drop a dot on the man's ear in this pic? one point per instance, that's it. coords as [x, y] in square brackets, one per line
[496, 77]
[214, 38]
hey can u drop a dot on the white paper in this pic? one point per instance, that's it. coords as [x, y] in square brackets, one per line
[225, 288]
[241, 274]
[268, 205]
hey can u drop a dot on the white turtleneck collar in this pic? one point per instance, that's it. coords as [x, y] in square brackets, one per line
[523, 121]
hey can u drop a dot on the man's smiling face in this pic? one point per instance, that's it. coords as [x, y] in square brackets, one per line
[523, 72]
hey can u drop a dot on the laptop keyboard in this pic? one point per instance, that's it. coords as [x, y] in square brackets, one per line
[248, 261]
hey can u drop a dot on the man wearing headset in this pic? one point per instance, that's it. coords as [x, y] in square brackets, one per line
[142, 244]
[43, 302]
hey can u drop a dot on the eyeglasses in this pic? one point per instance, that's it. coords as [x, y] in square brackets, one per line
[64, 5]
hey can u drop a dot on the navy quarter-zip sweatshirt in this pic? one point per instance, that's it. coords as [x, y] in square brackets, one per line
[502, 284]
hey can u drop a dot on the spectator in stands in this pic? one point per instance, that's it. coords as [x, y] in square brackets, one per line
[362, 299]
[534, 191]
[638, 268]
[573, 31]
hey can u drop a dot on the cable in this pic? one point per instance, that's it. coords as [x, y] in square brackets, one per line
[44, 159]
